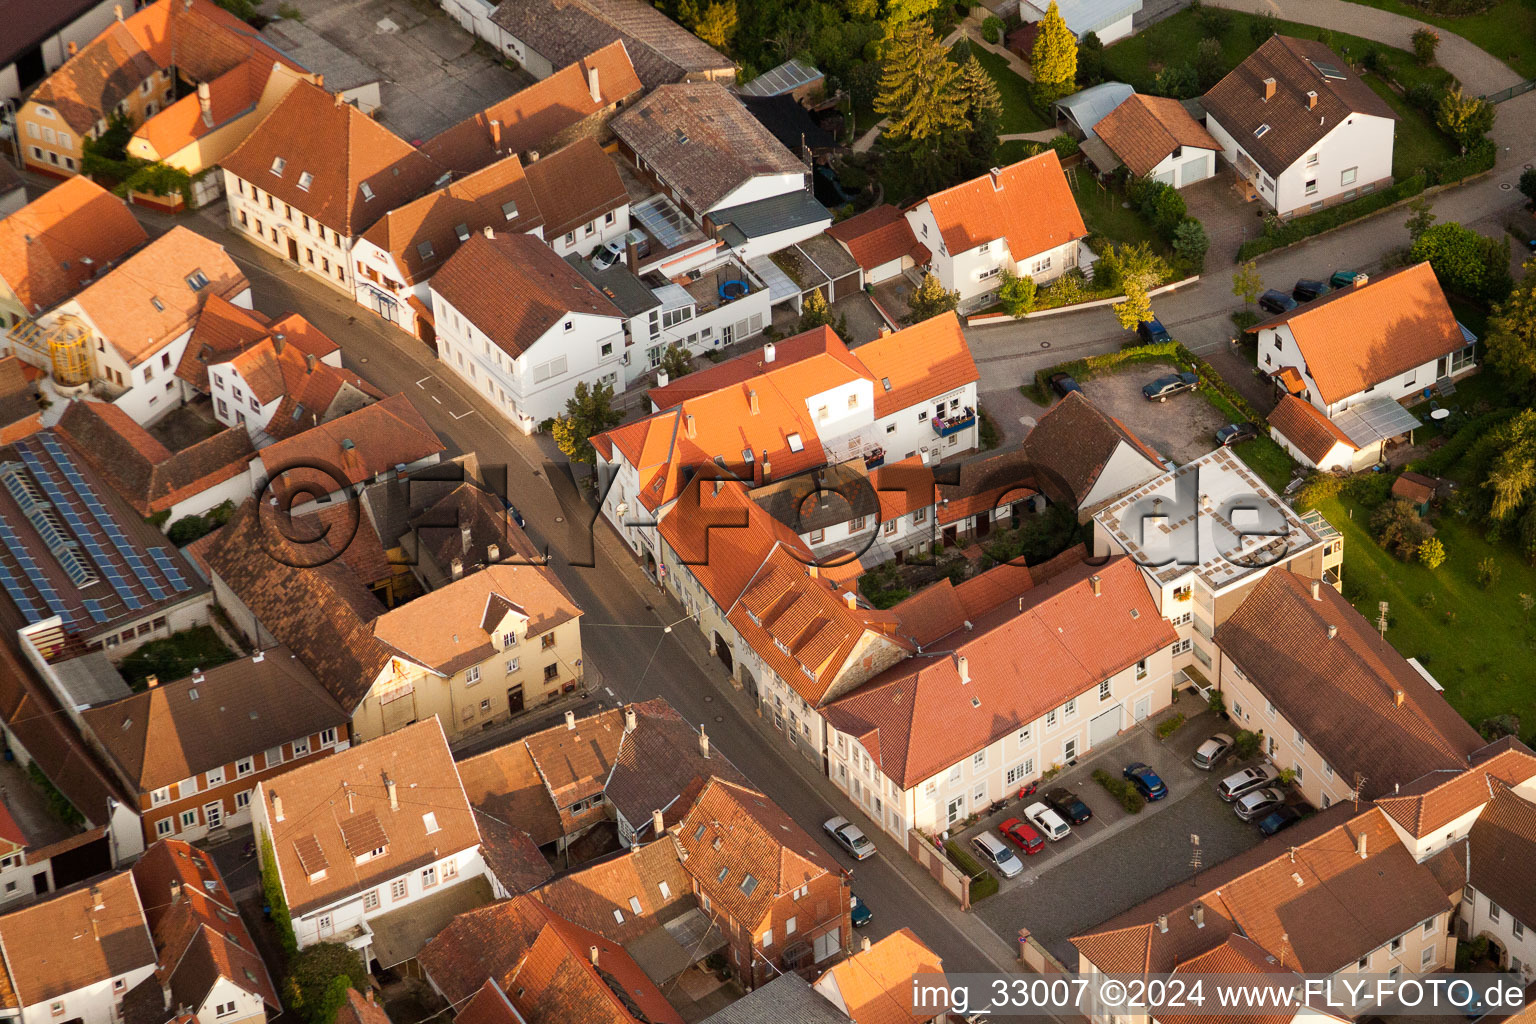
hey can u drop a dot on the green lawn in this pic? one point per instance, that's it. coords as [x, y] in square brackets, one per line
[1507, 30]
[1104, 215]
[1265, 457]
[1173, 41]
[1418, 143]
[1019, 113]
[175, 656]
[1477, 643]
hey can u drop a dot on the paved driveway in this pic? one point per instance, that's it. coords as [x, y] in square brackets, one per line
[1182, 428]
[1119, 860]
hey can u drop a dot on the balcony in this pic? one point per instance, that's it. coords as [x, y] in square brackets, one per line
[874, 459]
[944, 426]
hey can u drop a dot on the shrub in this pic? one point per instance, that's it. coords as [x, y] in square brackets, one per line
[1190, 243]
[1425, 41]
[1317, 488]
[1499, 726]
[310, 989]
[1432, 553]
[1178, 81]
[1369, 489]
[1398, 529]
[1262, 27]
[1478, 158]
[982, 882]
[1452, 452]
[1278, 234]
[1246, 744]
[1065, 145]
[187, 529]
[1090, 60]
[58, 803]
[1210, 65]
[1169, 726]
[1528, 185]
[1217, 702]
[1121, 790]
[992, 29]
[277, 904]
[1017, 294]
[1244, 319]
[1214, 21]
[1421, 95]
[1488, 573]
[1066, 289]
[1464, 261]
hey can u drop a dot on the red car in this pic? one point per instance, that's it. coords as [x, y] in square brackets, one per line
[1022, 835]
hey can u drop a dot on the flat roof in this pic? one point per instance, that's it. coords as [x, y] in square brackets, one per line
[318, 54]
[1214, 517]
[787, 77]
[1376, 419]
[619, 284]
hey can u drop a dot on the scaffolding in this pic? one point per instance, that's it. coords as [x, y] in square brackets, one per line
[65, 343]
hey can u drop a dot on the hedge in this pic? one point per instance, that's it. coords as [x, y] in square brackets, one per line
[1290, 232]
[983, 884]
[1122, 791]
[1442, 458]
[1169, 726]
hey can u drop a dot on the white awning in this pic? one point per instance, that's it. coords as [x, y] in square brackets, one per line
[1376, 420]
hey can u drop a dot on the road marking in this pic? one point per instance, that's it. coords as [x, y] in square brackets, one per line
[461, 415]
[609, 691]
[424, 379]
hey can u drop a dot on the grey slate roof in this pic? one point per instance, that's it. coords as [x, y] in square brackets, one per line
[699, 139]
[619, 283]
[788, 997]
[776, 213]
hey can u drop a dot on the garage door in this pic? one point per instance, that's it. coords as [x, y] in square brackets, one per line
[1165, 178]
[1195, 170]
[1105, 726]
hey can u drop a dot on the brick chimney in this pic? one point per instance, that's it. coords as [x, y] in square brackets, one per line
[309, 362]
[1360, 845]
[456, 568]
[1269, 89]
[630, 719]
[151, 681]
[492, 553]
[74, 48]
[690, 426]
[658, 823]
[570, 721]
[117, 10]
[703, 742]
[394, 797]
[963, 666]
[851, 600]
[752, 405]
[1311, 100]
[277, 807]
[339, 101]
[496, 135]
[1317, 590]
[1097, 583]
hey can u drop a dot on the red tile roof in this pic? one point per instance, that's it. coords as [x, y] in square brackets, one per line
[1362, 335]
[874, 985]
[515, 289]
[223, 328]
[1062, 637]
[1028, 204]
[1416, 487]
[50, 248]
[1144, 130]
[1428, 804]
[742, 368]
[1072, 444]
[878, 236]
[42, 942]
[1502, 848]
[359, 445]
[1313, 434]
[920, 362]
[231, 95]
[576, 185]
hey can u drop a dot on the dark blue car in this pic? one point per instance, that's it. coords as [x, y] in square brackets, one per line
[1146, 781]
[861, 914]
[1279, 819]
[1152, 332]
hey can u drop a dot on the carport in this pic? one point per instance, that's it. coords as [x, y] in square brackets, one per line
[815, 264]
[1375, 423]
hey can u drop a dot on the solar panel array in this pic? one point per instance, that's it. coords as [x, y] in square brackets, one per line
[162, 558]
[40, 581]
[63, 548]
[77, 522]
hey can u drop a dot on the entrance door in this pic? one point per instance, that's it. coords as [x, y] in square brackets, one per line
[955, 810]
[214, 813]
[1143, 708]
[293, 250]
[515, 698]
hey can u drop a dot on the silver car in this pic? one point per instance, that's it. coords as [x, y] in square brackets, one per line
[850, 837]
[1246, 781]
[1258, 803]
[1211, 751]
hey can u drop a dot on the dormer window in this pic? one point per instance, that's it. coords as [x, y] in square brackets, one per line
[154, 300]
[796, 443]
[462, 231]
[305, 180]
[197, 280]
[425, 251]
[278, 164]
[429, 822]
[509, 209]
[367, 191]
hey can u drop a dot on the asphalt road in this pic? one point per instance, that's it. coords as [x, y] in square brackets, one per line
[624, 629]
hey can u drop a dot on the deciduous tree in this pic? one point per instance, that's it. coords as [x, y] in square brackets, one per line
[718, 24]
[1464, 118]
[929, 300]
[588, 412]
[1246, 282]
[675, 361]
[1511, 341]
[1135, 309]
[1465, 261]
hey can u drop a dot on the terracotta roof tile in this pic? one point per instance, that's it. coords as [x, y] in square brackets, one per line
[763, 852]
[489, 1005]
[923, 361]
[327, 158]
[44, 953]
[1342, 692]
[417, 760]
[514, 288]
[574, 762]
[1144, 130]
[52, 246]
[602, 897]
[558, 981]
[360, 445]
[511, 855]
[1057, 638]
[657, 762]
[1314, 434]
[1072, 444]
[575, 185]
[875, 984]
[150, 299]
[223, 329]
[742, 368]
[878, 236]
[700, 140]
[1502, 846]
[361, 1009]
[1415, 487]
[488, 943]
[1237, 101]
[1428, 804]
[1027, 204]
[231, 95]
[1359, 336]
[498, 196]
[531, 119]
[504, 783]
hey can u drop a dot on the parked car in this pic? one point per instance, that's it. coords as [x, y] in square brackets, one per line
[517, 517]
[1047, 821]
[1067, 803]
[860, 912]
[1343, 278]
[1306, 291]
[609, 253]
[1063, 384]
[1260, 803]
[1152, 332]
[1277, 302]
[1146, 781]
[995, 853]
[850, 837]
[1160, 389]
[1279, 819]
[1212, 751]
[1246, 781]
[1022, 836]
[1236, 433]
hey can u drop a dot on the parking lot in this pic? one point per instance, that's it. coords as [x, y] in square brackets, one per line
[1117, 860]
[433, 74]
[1183, 428]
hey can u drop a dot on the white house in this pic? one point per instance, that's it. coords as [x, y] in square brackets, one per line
[283, 385]
[355, 837]
[880, 239]
[75, 956]
[1301, 126]
[1021, 218]
[1110, 20]
[1084, 457]
[1314, 440]
[1155, 137]
[942, 735]
[1356, 353]
[522, 327]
